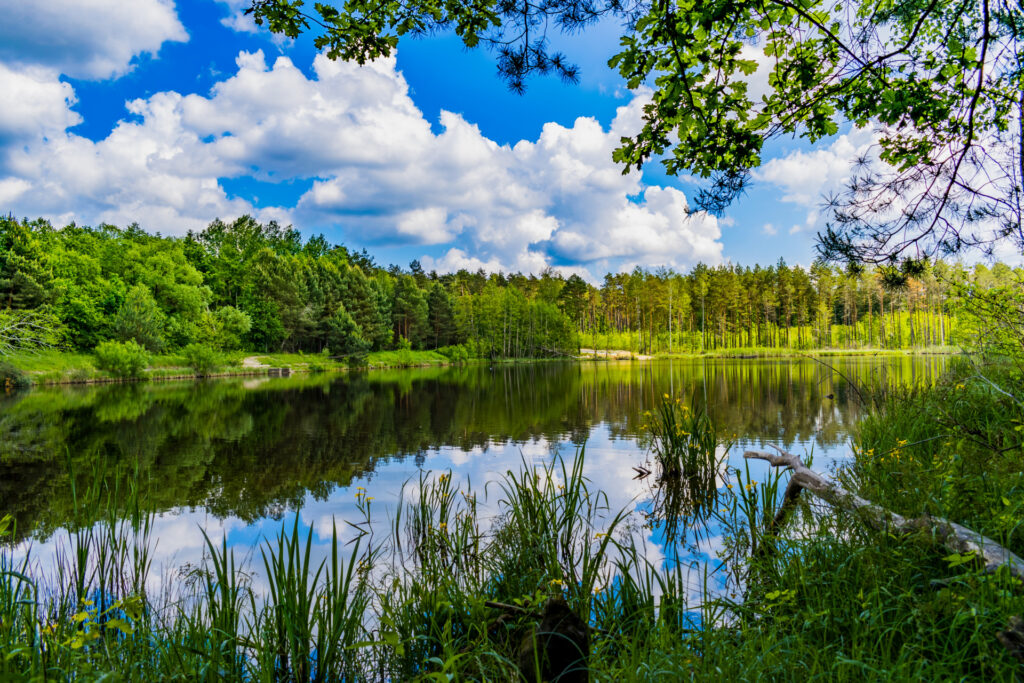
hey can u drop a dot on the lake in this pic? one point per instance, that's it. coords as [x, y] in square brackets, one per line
[235, 457]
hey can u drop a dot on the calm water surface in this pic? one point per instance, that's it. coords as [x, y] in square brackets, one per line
[234, 457]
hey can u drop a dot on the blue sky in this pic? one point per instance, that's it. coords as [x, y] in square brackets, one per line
[174, 113]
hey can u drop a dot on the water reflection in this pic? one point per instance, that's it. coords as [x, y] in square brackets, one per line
[249, 450]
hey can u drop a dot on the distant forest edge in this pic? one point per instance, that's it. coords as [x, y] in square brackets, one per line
[262, 288]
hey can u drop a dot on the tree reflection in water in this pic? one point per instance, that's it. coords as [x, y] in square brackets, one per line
[254, 449]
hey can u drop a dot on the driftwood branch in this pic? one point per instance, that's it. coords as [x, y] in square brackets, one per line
[953, 536]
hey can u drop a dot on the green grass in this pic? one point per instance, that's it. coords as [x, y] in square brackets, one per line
[404, 358]
[760, 352]
[64, 367]
[52, 366]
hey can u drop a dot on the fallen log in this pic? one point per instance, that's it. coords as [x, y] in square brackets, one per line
[953, 536]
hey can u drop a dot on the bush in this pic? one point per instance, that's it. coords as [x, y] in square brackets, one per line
[202, 358]
[11, 378]
[126, 360]
[455, 354]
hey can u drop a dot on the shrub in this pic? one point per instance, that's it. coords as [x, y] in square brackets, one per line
[455, 354]
[12, 378]
[126, 360]
[202, 358]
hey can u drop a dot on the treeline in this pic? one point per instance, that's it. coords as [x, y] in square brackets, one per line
[262, 287]
[778, 307]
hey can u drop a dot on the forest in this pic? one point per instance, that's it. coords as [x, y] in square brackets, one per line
[258, 287]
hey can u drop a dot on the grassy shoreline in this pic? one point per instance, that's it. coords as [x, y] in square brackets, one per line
[50, 368]
[53, 367]
[753, 353]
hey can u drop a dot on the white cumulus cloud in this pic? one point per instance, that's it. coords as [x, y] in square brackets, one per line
[36, 104]
[93, 39]
[374, 166]
[805, 176]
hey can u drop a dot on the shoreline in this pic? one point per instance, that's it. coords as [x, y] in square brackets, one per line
[70, 368]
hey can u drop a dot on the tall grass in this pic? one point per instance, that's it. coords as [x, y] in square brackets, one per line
[689, 458]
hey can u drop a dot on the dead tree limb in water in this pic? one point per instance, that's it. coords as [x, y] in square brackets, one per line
[953, 536]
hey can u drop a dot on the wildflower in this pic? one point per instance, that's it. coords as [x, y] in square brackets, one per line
[369, 499]
[666, 396]
[599, 536]
[557, 582]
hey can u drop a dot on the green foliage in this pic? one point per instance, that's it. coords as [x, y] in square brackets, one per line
[140, 319]
[827, 598]
[833, 602]
[230, 326]
[455, 354]
[946, 450]
[251, 286]
[124, 360]
[22, 282]
[11, 378]
[202, 358]
[344, 337]
[683, 439]
[994, 315]
[685, 444]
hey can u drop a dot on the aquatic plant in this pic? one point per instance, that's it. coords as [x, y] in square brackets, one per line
[689, 458]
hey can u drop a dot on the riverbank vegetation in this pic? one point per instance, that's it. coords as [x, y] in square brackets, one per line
[444, 591]
[233, 290]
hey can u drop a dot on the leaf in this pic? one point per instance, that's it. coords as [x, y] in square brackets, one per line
[956, 559]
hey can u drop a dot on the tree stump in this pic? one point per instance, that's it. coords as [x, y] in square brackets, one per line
[558, 648]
